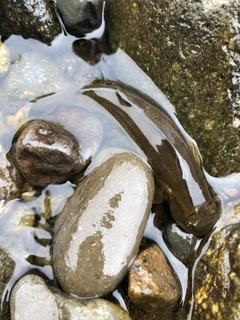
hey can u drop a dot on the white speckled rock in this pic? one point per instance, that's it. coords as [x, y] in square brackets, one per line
[31, 298]
[100, 228]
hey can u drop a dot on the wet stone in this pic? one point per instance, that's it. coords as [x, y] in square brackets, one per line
[35, 20]
[216, 280]
[46, 153]
[80, 16]
[7, 267]
[152, 285]
[181, 244]
[11, 181]
[101, 226]
[32, 298]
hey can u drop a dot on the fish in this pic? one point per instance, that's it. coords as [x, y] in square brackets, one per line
[171, 153]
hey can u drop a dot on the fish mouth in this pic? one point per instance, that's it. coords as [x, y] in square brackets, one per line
[203, 219]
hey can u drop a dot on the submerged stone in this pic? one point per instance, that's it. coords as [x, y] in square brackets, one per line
[152, 284]
[32, 298]
[33, 75]
[46, 153]
[7, 266]
[80, 16]
[214, 273]
[216, 281]
[100, 228]
[179, 243]
[11, 181]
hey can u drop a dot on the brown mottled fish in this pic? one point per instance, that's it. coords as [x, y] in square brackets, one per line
[175, 160]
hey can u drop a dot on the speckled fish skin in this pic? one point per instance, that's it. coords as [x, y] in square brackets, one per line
[175, 161]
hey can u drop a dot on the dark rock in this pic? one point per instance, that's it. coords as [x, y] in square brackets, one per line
[101, 226]
[152, 285]
[88, 50]
[181, 244]
[11, 182]
[80, 17]
[46, 153]
[35, 20]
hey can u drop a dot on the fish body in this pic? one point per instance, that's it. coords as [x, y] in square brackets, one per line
[174, 159]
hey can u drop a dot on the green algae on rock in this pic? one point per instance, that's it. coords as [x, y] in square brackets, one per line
[191, 51]
[214, 272]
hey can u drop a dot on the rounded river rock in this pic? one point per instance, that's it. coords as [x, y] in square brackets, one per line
[100, 228]
[45, 152]
[32, 298]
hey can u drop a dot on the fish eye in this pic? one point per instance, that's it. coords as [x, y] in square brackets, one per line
[43, 131]
[189, 226]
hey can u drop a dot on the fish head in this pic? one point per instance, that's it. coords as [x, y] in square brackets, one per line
[198, 220]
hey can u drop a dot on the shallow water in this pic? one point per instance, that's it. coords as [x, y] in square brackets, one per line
[23, 221]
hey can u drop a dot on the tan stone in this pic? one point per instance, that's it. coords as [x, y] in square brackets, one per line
[152, 284]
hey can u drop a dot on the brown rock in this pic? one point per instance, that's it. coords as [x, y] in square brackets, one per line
[152, 285]
[46, 153]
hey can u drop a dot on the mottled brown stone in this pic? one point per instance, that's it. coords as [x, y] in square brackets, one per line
[216, 283]
[152, 284]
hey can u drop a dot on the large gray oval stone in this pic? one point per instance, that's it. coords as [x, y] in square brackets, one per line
[100, 228]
